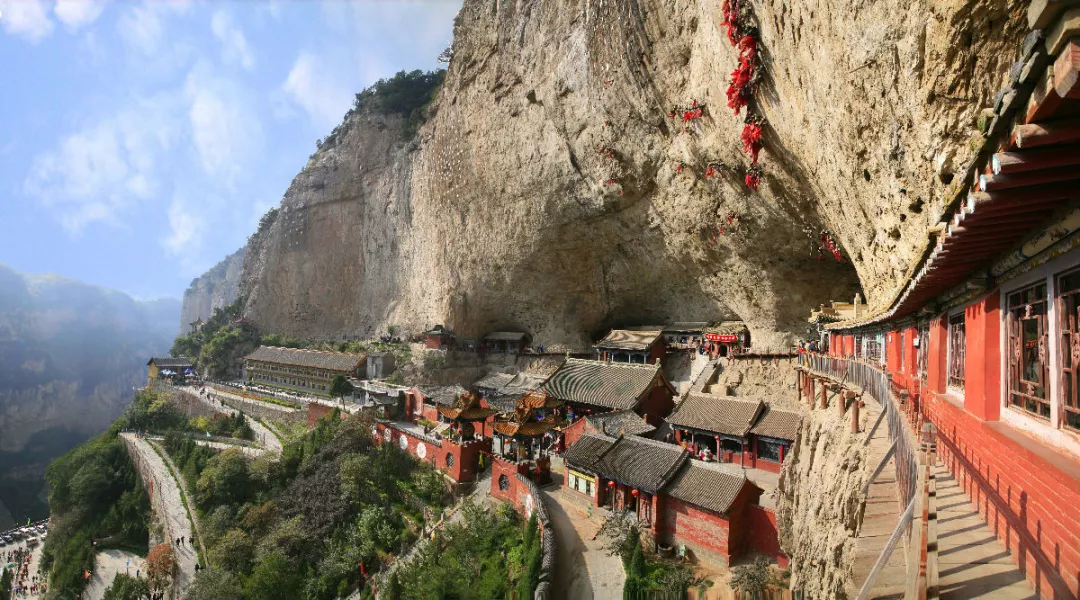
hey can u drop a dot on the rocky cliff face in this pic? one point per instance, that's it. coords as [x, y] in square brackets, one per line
[216, 288]
[497, 213]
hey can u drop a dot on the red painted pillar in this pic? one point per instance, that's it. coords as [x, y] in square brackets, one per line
[892, 351]
[982, 366]
[936, 355]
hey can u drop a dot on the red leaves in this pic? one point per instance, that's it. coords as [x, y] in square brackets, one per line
[679, 168]
[732, 18]
[827, 243]
[753, 177]
[610, 181]
[751, 136]
[713, 169]
[694, 113]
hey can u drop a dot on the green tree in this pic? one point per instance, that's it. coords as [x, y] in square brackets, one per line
[233, 552]
[5, 584]
[225, 479]
[274, 577]
[215, 585]
[340, 387]
[125, 587]
[753, 577]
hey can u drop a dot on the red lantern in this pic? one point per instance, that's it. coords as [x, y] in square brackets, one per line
[611, 484]
[634, 493]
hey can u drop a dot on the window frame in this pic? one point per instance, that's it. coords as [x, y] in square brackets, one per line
[1067, 402]
[952, 319]
[1016, 358]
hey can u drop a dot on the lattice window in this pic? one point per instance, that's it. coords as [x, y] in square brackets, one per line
[957, 346]
[903, 350]
[1029, 363]
[873, 348]
[1068, 308]
[924, 349]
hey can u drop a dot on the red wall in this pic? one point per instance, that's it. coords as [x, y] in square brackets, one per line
[657, 405]
[502, 467]
[982, 369]
[701, 529]
[574, 432]
[316, 411]
[1028, 501]
[762, 536]
[465, 456]
[657, 352]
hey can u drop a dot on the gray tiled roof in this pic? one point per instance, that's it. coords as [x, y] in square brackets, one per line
[170, 363]
[504, 403]
[441, 394]
[586, 450]
[620, 421]
[626, 339]
[631, 460]
[728, 327]
[319, 359]
[779, 424]
[719, 414]
[687, 326]
[493, 381]
[700, 485]
[599, 383]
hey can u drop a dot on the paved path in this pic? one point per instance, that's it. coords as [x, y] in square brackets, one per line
[583, 569]
[175, 517]
[32, 570]
[972, 562]
[107, 564]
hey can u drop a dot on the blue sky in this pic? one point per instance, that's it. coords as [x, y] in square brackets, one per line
[140, 141]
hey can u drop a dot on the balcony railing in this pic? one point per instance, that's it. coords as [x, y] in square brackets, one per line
[912, 472]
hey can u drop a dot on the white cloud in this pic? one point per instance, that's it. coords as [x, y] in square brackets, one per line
[322, 94]
[28, 19]
[185, 230]
[97, 173]
[235, 44]
[225, 132]
[75, 14]
[141, 27]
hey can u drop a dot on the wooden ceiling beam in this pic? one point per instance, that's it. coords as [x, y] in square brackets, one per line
[1043, 134]
[1067, 68]
[993, 183]
[1007, 163]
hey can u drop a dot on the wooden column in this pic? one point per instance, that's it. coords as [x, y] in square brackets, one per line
[855, 416]
[841, 401]
[824, 393]
[798, 383]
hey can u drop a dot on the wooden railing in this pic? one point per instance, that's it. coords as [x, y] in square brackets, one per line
[914, 477]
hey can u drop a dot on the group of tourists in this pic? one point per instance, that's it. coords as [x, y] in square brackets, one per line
[25, 584]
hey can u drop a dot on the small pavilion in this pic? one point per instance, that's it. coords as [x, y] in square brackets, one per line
[522, 443]
[466, 410]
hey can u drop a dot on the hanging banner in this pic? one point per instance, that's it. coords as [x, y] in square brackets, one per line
[721, 337]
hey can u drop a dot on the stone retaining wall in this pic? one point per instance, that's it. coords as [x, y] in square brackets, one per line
[547, 532]
[152, 485]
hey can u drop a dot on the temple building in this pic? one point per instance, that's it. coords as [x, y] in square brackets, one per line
[310, 371]
[423, 402]
[439, 337]
[637, 346]
[466, 417]
[168, 368]
[523, 443]
[982, 339]
[590, 387]
[733, 430]
[614, 423]
[505, 342]
[685, 335]
[712, 511]
[726, 338]
[501, 390]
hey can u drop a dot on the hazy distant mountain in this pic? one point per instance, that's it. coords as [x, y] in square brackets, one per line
[70, 354]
